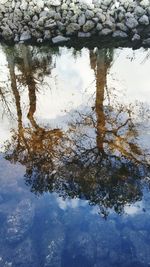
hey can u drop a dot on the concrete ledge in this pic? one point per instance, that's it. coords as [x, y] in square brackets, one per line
[59, 21]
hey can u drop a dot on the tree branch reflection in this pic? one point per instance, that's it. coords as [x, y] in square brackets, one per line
[98, 158]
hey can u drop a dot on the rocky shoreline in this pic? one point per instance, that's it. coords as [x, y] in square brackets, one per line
[59, 21]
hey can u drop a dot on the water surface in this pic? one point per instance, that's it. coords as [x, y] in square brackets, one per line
[74, 157]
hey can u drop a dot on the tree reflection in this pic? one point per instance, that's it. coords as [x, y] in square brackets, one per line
[108, 164]
[98, 158]
[33, 146]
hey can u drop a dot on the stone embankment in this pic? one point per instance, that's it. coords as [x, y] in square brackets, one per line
[60, 20]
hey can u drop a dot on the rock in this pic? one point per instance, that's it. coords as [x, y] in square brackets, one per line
[57, 16]
[40, 4]
[64, 6]
[16, 39]
[89, 14]
[146, 42]
[99, 27]
[55, 3]
[107, 2]
[109, 24]
[60, 39]
[100, 16]
[82, 20]
[144, 3]
[53, 245]
[4, 263]
[50, 24]
[47, 35]
[131, 23]
[144, 20]
[24, 255]
[139, 11]
[122, 27]
[105, 32]
[121, 16]
[25, 36]
[72, 28]
[24, 5]
[81, 245]
[148, 11]
[120, 34]
[136, 37]
[140, 246]
[88, 26]
[108, 235]
[7, 33]
[19, 222]
[73, 19]
[61, 26]
[84, 34]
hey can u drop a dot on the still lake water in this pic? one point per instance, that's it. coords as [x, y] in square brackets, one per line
[74, 157]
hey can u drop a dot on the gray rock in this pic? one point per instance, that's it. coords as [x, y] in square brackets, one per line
[107, 2]
[7, 33]
[146, 42]
[16, 39]
[60, 26]
[101, 16]
[148, 11]
[96, 20]
[47, 35]
[50, 24]
[57, 17]
[139, 11]
[122, 27]
[72, 28]
[144, 20]
[120, 34]
[136, 37]
[60, 39]
[19, 222]
[105, 32]
[24, 5]
[89, 14]
[35, 18]
[81, 20]
[88, 26]
[73, 19]
[25, 36]
[99, 27]
[131, 23]
[84, 34]
[109, 24]
[120, 16]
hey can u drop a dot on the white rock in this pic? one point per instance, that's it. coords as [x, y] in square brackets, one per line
[55, 3]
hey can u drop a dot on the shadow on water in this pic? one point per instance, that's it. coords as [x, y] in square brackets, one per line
[93, 164]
